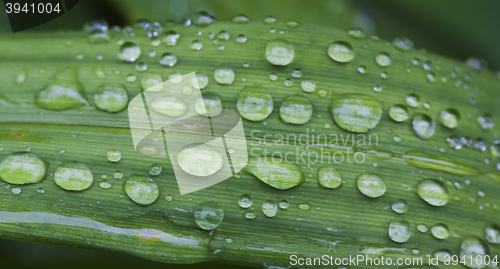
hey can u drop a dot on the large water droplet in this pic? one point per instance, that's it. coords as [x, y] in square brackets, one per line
[296, 110]
[371, 185]
[400, 206]
[208, 215]
[200, 160]
[275, 172]
[22, 168]
[142, 190]
[245, 201]
[473, 250]
[398, 113]
[399, 230]
[329, 178]
[73, 176]
[269, 208]
[383, 59]
[356, 112]
[341, 52]
[433, 192]
[279, 52]
[254, 103]
[423, 126]
[64, 91]
[440, 231]
[111, 97]
[493, 234]
[224, 75]
[129, 52]
[449, 118]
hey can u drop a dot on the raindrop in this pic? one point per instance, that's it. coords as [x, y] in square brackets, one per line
[471, 249]
[493, 234]
[129, 52]
[153, 30]
[203, 19]
[398, 113]
[149, 81]
[284, 204]
[63, 92]
[170, 106]
[73, 176]
[449, 118]
[371, 185]
[433, 192]
[400, 206]
[254, 103]
[208, 215]
[240, 18]
[383, 59]
[356, 33]
[114, 155]
[142, 190]
[403, 44]
[16, 190]
[155, 169]
[105, 184]
[304, 207]
[241, 39]
[200, 160]
[440, 231]
[279, 52]
[250, 215]
[422, 228]
[209, 105]
[245, 201]
[269, 208]
[296, 110]
[224, 75]
[413, 100]
[275, 172]
[196, 45]
[423, 126]
[399, 230]
[341, 52]
[168, 59]
[170, 38]
[356, 113]
[486, 121]
[308, 85]
[111, 97]
[22, 168]
[329, 178]
[270, 19]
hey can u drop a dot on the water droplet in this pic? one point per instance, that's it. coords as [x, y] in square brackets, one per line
[118, 175]
[442, 255]
[250, 215]
[356, 33]
[399, 230]
[129, 52]
[245, 201]
[371, 185]
[400, 206]
[64, 91]
[454, 142]
[422, 228]
[356, 113]
[279, 52]
[476, 63]
[111, 97]
[473, 249]
[224, 75]
[114, 155]
[141, 66]
[196, 45]
[155, 169]
[423, 126]
[398, 113]
[270, 19]
[142, 190]
[254, 103]
[240, 18]
[153, 30]
[413, 100]
[210, 105]
[22, 168]
[269, 208]
[224, 35]
[170, 38]
[208, 215]
[361, 69]
[284, 204]
[200, 160]
[304, 207]
[322, 93]
[440, 231]
[296, 110]
[433, 192]
[168, 59]
[449, 118]
[275, 172]
[377, 88]
[427, 65]
[170, 106]
[493, 234]
[308, 86]
[403, 44]
[168, 198]
[341, 52]
[73, 176]
[105, 185]
[131, 78]
[203, 19]
[329, 178]
[241, 39]
[486, 121]
[40, 191]
[21, 76]
[16, 190]
[149, 81]
[383, 59]
[201, 81]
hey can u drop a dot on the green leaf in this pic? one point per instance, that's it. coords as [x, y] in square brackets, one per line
[340, 222]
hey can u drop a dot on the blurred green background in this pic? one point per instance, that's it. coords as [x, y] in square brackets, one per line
[454, 28]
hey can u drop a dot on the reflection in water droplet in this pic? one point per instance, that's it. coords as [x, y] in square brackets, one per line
[440, 231]
[254, 103]
[196, 45]
[329, 178]
[341, 52]
[399, 230]
[200, 160]
[296, 110]
[129, 52]
[105, 184]
[151, 82]
[142, 190]
[203, 18]
[400, 206]
[73, 176]
[398, 113]
[423, 126]
[279, 52]
[114, 155]
[269, 208]
[356, 112]
[22, 168]
[356, 33]
[442, 255]
[245, 201]
[208, 215]
[111, 97]
[240, 18]
[433, 192]
[371, 185]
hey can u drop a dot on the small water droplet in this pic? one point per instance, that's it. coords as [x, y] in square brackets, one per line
[63, 92]
[356, 33]
[170, 38]
[155, 169]
[104, 185]
[398, 113]
[129, 52]
[169, 105]
[40, 191]
[203, 18]
[279, 52]
[383, 59]
[142, 190]
[403, 44]
[423, 125]
[250, 215]
[270, 19]
[22, 168]
[111, 97]
[400, 206]
[296, 110]
[73, 176]
[200, 160]
[196, 45]
[422, 228]
[399, 230]
[16, 190]
[341, 52]
[275, 172]
[284, 204]
[304, 207]
[329, 178]
[486, 121]
[240, 18]
[168, 59]
[224, 75]
[269, 208]
[356, 113]
[114, 155]
[413, 100]
[493, 234]
[245, 201]
[449, 118]
[371, 185]
[473, 250]
[254, 103]
[433, 192]
[208, 215]
[440, 231]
